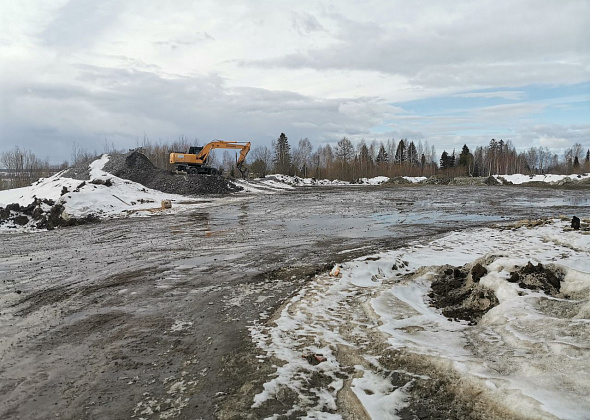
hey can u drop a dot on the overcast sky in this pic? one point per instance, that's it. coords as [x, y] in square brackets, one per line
[450, 72]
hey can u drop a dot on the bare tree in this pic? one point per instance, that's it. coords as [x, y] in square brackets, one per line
[302, 156]
[261, 161]
[24, 167]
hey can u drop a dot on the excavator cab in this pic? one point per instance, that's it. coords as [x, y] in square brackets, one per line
[195, 150]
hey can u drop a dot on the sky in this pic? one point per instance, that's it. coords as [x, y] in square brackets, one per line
[95, 74]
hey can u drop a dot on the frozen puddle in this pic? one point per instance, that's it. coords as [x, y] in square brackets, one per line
[389, 353]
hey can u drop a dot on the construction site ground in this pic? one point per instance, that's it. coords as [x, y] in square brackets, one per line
[148, 317]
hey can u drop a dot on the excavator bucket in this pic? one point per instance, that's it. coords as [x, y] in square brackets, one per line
[243, 169]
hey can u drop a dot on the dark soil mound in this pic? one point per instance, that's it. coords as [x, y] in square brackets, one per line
[537, 278]
[136, 167]
[139, 162]
[398, 180]
[438, 180]
[490, 180]
[80, 170]
[460, 296]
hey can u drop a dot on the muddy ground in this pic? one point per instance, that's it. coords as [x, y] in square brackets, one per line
[147, 317]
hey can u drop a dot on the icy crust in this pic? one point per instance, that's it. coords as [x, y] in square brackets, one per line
[528, 357]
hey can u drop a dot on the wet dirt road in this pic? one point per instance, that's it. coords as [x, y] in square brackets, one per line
[147, 318]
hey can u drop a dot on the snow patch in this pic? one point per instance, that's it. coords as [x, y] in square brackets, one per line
[529, 354]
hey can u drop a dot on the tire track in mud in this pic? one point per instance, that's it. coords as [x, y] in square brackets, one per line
[80, 289]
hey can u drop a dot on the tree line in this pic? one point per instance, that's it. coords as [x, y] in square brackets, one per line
[348, 162]
[23, 167]
[345, 160]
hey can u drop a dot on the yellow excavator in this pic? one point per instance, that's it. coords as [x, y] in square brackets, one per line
[195, 161]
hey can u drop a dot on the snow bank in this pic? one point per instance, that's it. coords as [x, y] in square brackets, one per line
[122, 198]
[372, 181]
[273, 182]
[528, 356]
[415, 179]
[518, 179]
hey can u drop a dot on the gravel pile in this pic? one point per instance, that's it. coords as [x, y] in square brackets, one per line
[136, 167]
[80, 170]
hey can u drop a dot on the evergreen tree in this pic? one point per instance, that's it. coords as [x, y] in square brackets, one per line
[365, 158]
[382, 156]
[444, 160]
[466, 160]
[282, 158]
[412, 154]
[465, 156]
[400, 153]
[588, 156]
[447, 161]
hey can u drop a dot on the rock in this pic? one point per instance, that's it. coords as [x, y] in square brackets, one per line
[575, 223]
[21, 220]
[13, 207]
[37, 213]
[514, 277]
[477, 272]
[64, 190]
[80, 186]
[106, 183]
[4, 214]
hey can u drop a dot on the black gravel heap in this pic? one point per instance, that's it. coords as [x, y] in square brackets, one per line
[136, 167]
[80, 171]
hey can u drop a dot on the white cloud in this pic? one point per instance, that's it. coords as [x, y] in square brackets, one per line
[504, 94]
[88, 70]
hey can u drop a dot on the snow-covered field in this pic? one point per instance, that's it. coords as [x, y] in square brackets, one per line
[529, 356]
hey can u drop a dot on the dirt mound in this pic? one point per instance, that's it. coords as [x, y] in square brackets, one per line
[41, 214]
[490, 180]
[398, 180]
[460, 296]
[438, 180]
[139, 162]
[537, 278]
[136, 167]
